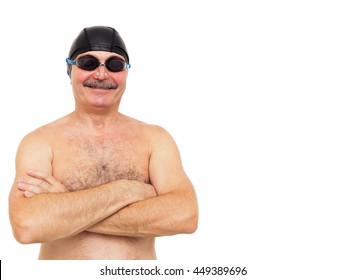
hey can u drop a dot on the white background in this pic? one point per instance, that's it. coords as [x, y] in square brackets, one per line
[253, 93]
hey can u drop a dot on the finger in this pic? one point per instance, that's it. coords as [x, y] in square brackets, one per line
[35, 182]
[39, 174]
[28, 194]
[49, 182]
[47, 178]
[27, 188]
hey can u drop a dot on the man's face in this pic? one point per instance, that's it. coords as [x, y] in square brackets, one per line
[99, 88]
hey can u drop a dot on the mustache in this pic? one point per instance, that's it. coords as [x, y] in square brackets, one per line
[100, 84]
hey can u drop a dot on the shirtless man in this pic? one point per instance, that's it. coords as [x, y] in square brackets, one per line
[97, 184]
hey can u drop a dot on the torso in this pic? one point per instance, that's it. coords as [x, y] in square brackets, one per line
[82, 160]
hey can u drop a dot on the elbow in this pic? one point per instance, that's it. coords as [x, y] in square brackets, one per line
[184, 222]
[189, 221]
[24, 233]
[191, 224]
[189, 216]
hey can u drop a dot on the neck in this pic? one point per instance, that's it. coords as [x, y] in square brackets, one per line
[100, 122]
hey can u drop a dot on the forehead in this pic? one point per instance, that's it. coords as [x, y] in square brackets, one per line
[101, 55]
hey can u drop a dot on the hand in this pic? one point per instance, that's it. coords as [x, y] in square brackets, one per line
[39, 182]
[146, 190]
[149, 191]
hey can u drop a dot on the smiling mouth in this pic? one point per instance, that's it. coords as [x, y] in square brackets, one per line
[100, 85]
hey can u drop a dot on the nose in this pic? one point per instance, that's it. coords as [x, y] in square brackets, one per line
[101, 72]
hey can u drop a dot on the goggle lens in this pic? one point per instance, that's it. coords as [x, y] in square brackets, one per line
[90, 63]
[115, 65]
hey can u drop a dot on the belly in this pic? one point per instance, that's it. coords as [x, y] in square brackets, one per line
[93, 246]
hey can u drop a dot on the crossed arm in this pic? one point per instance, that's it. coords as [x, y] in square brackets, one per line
[42, 209]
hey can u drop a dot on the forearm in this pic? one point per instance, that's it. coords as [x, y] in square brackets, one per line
[52, 216]
[166, 214]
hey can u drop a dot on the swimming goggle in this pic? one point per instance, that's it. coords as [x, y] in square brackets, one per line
[89, 63]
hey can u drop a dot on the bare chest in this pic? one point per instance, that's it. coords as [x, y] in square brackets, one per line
[85, 163]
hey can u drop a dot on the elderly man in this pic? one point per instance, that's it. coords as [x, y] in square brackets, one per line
[97, 184]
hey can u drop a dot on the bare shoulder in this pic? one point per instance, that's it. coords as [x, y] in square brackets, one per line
[37, 144]
[44, 133]
[153, 133]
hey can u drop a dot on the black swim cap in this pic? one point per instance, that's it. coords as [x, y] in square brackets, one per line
[97, 38]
